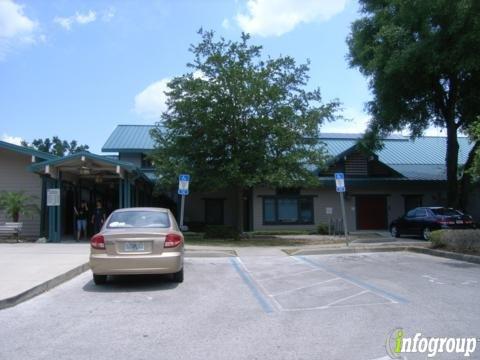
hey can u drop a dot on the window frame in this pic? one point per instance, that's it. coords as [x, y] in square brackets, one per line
[276, 199]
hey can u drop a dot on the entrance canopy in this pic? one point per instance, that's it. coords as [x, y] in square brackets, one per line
[88, 177]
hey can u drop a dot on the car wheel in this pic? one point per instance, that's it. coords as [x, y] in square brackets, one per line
[426, 233]
[394, 232]
[178, 276]
[99, 279]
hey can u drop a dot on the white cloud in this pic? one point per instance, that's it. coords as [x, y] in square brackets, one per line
[355, 122]
[17, 140]
[151, 102]
[108, 14]
[78, 18]
[16, 28]
[277, 17]
[226, 23]
[199, 74]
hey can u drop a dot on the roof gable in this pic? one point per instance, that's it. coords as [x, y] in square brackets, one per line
[402, 150]
[27, 151]
[130, 138]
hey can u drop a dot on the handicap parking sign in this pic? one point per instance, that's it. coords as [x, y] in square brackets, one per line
[340, 182]
[183, 181]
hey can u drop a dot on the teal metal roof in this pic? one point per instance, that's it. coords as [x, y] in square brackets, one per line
[401, 150]
[130, 138]
[419, 159]
[27, 151]
[59, 160]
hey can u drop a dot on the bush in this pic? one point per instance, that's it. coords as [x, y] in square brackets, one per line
[458, 240]
[278, 232]
[221, 232]
[322, 229]
[436, 239]
[196, 226]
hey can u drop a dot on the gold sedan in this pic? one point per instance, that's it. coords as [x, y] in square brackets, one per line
[137, 241]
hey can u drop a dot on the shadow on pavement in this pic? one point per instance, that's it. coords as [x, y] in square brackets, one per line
[461, 265]
[132, 283]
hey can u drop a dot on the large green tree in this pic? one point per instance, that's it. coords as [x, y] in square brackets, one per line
[237, 121]
[422, 60]
[56, 146]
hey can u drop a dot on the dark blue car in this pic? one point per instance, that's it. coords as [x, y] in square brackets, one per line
[422, 221]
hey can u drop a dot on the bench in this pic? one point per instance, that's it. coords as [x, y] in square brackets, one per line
[11, 228]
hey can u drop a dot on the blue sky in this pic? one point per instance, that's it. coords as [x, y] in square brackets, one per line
[77, 69]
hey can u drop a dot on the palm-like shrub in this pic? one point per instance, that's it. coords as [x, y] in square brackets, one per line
[18, 203]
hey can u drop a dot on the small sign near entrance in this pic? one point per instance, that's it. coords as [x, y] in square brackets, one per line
[183, 181]
[53, 197]
[340, 182]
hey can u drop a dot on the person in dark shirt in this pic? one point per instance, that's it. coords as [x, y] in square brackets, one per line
[82, 216]
[98, 217]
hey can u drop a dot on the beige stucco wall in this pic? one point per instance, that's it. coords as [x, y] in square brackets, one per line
[14, 176]
[433, 195]
[195, 206]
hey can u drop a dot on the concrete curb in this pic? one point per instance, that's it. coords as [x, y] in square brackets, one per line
[446, 254]
[45, 286]
[349, 250]
[210, 253]
[415, 249]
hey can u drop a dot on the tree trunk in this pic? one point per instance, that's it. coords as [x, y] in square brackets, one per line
[16, 216]
[467, 178]
[452, 164]
[240, 209]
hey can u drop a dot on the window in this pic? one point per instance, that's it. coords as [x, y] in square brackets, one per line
[139, 219]
[419, 213]
[411, 213]
[214, 211]
[287, 210]
[146, 162]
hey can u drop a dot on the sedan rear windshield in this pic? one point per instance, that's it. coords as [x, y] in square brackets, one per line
[139, 219]
[445, 212]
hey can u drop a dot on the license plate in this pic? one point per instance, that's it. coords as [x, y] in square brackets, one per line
[459, 221]
[134, 246]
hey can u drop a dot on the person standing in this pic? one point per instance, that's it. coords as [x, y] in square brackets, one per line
[82, 216]
[98, 217]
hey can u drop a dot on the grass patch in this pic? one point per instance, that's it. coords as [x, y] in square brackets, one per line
[260, 242]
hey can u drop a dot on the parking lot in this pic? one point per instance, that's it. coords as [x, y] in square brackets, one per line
[252, 307]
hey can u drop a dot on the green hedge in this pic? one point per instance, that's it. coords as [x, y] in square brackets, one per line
[458, 240]
[221, 232]
[322, 229]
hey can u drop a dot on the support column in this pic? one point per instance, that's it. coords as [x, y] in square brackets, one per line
[120, 193]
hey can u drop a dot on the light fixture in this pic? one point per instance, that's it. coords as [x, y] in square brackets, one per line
[84, 170]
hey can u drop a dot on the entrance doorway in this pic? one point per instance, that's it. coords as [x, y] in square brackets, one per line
[371, 212]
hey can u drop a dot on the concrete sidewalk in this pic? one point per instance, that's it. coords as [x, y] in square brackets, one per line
[28, 269]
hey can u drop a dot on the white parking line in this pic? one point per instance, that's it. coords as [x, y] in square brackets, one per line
[304, 287]
[291, 274]
[348, 297]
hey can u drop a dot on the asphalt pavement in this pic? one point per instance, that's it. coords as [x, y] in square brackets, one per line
[255, 306]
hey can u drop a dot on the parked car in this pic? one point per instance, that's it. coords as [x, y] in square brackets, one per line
[137, 241]
[422, 221]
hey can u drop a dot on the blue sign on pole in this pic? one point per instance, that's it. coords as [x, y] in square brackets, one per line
[340, 182]
[183, 181]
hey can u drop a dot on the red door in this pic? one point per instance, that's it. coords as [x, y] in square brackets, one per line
[371, 212]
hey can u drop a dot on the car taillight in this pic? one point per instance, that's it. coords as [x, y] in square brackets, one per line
[444, 221]
[98, 242]
[172, 240]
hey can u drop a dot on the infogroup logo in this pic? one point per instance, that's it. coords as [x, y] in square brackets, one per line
[398, 344]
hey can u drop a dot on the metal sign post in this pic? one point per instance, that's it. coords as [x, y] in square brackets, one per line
[340, 185]
[183, 181]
